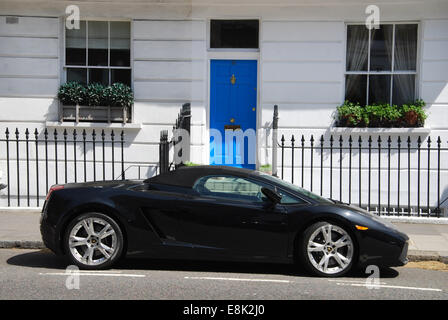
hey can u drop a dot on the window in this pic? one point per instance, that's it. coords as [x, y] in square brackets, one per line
[241, 34]
[381, 64]
[236, 188]
[99, 51]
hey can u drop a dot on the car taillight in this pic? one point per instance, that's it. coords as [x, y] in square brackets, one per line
[53, 188]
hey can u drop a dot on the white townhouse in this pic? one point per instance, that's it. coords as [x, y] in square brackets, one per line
[233, 60]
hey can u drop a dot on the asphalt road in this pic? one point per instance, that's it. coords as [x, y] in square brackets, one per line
[36, 274]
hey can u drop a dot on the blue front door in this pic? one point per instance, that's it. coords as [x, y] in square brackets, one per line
[233, 105]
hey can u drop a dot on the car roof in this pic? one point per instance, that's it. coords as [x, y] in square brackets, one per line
[186, 176]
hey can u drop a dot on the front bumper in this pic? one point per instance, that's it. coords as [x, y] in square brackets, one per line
[393, 258]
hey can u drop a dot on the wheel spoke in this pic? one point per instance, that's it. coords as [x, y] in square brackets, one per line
[107, 248]
[88, 255]
[326, 231]
[340, 259]
[106, 231]
[77, 241]
[88, 226]
[342, 242]
[313, 247]
[323, 264]
[104, 252]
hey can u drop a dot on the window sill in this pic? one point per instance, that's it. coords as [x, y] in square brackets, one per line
[372, 131]
[93, 125]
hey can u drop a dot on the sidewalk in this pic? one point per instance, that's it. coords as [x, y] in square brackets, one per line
[20, 229]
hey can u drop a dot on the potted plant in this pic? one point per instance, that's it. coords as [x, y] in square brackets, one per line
[95, 102]
[413, 115]
[381, 115]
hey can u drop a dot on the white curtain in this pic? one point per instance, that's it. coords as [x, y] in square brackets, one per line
[357, 53]
[405, 60]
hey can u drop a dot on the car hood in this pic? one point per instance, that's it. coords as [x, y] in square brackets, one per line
[385, 223]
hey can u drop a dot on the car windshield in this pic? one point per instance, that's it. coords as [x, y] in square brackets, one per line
[288, 185]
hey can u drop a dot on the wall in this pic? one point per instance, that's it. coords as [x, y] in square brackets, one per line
[302, 60]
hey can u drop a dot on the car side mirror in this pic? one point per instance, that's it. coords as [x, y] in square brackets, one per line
[272, 195]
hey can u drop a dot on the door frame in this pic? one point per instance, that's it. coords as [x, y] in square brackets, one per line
[233, 55]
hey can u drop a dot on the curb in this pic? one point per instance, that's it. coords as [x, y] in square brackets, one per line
[416, 220]
[20, 244]
[417, 256]
[413, 255]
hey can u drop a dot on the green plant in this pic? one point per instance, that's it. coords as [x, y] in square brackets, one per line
[95, 93]
[266, 168]
[382, 115]
[191, 164]
[72, 93]
[414, 114]
[119, 95]
[351, 114]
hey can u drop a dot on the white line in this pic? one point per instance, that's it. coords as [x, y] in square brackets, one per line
[238, 279]
[93, 274]
[352, 281]
[391, 287]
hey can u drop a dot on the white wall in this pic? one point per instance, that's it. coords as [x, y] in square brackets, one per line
[302, 61]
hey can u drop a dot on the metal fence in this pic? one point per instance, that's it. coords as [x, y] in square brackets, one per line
[180, 150]
[385, 175]
[33, 161]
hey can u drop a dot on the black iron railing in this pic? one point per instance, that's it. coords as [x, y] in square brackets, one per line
[181, 147]
[381, 165]
[35, 161]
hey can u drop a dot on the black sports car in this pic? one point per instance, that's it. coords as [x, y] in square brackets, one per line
[215, 213]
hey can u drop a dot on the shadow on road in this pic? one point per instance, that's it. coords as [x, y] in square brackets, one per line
[47, 260]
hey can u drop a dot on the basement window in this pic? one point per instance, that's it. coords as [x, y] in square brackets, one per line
[240, 34]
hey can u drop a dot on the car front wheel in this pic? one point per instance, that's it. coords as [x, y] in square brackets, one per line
[93, 241]
[327, 249]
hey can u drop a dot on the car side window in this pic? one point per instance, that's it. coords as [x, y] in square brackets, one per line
[231, 187]
[287, 199]
[237, 188]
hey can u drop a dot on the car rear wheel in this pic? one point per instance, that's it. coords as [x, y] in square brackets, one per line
[327, 249]
[93, 241]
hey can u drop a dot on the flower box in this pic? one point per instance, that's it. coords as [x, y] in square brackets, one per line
[109, 114]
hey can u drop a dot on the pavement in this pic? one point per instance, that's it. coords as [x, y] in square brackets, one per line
[19, 228]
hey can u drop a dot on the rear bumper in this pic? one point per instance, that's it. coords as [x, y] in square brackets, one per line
[48, 232]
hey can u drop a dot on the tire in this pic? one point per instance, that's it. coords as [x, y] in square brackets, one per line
[325, 256]
[93, 241]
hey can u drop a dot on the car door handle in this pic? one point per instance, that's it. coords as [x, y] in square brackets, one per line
[250, 222]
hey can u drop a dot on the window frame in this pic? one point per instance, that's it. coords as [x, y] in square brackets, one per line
[66, 66]
[392, 72]
[232, 50]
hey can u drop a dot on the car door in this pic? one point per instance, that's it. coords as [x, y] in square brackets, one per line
[228, 215]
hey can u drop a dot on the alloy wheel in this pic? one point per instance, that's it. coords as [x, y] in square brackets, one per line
[330, 249]
[92, 241]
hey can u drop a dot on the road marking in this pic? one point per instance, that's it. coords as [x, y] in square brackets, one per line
[352, 281]
[386, 286]
[93, 274]
[238, 279]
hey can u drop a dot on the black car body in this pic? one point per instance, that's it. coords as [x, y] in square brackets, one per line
[166, 217]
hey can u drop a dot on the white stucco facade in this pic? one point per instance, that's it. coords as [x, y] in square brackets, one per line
[301, 65]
